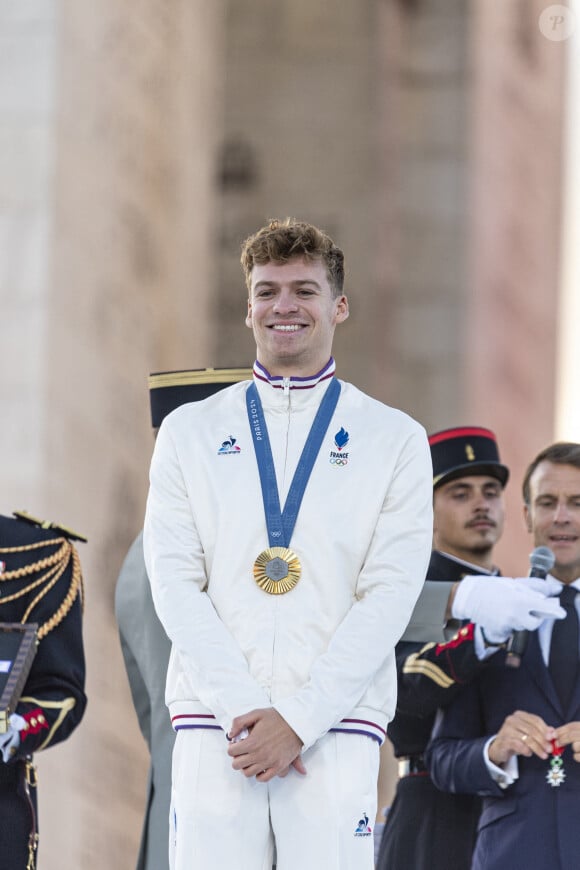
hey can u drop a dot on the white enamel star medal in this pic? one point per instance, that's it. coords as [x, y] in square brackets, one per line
[556, 774]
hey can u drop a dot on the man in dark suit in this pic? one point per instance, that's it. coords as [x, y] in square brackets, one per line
[427, 829]
[513, 736]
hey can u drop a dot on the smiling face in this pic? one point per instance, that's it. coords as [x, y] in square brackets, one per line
[553, 515]
[293, 314]
[468, 517]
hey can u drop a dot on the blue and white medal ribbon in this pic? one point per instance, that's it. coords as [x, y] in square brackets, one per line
[277, 569]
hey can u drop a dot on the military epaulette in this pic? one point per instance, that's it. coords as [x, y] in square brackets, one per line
[464, 635]
[47, 524]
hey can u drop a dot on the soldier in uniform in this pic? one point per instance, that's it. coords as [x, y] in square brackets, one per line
[40, 583]
[145, 645]
[427, 829]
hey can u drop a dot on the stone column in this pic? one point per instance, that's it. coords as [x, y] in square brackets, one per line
[300, 141]
[28, 34]
[424, 216]
[106, 219]
[510, 339]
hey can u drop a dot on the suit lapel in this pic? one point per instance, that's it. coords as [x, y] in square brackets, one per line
[573, 712]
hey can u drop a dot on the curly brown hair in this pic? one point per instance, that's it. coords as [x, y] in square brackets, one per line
[280, 241]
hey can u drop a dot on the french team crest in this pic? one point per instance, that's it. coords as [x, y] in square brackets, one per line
[338, 457]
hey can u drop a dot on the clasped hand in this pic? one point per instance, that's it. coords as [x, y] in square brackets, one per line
[527, 734]
[270, 749]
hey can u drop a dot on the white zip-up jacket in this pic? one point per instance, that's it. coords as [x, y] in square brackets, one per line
[322, 654]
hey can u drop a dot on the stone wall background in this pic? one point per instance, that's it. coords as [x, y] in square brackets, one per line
[140, 144]
[511, 336]
[106, 213]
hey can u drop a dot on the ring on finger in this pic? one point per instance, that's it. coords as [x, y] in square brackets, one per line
[525, 737]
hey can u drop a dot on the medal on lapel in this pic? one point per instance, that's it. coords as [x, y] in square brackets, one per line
[556, 774]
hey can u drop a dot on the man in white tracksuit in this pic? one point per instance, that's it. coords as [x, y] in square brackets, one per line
[287, 534]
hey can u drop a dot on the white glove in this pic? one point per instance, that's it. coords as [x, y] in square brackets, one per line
[502, 605]
[10, 740]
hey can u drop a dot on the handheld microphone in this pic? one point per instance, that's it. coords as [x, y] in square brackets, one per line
[541, 562]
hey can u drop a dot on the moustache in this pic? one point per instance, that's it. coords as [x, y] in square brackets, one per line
[477, 520]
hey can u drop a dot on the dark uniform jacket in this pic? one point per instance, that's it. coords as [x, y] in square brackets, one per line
[427, 829]
[40, 582]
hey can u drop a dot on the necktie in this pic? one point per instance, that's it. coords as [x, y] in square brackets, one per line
[563, 662]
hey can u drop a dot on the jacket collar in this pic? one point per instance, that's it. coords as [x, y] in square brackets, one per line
[276, 391]
[279, 383]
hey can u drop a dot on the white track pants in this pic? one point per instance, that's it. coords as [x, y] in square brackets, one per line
[221, 820]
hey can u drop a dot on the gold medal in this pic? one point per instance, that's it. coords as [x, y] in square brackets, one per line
[277, 570]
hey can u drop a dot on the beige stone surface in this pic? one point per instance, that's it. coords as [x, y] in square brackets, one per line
[300, 113]
[515, 206]
[109, 121]
[27, 100]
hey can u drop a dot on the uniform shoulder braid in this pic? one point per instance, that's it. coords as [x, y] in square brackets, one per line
[40, 572]
[48, 524]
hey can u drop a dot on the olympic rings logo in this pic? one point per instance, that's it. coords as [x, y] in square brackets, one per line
[338, 461]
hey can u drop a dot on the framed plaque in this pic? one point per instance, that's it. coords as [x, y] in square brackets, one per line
[17, 651]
